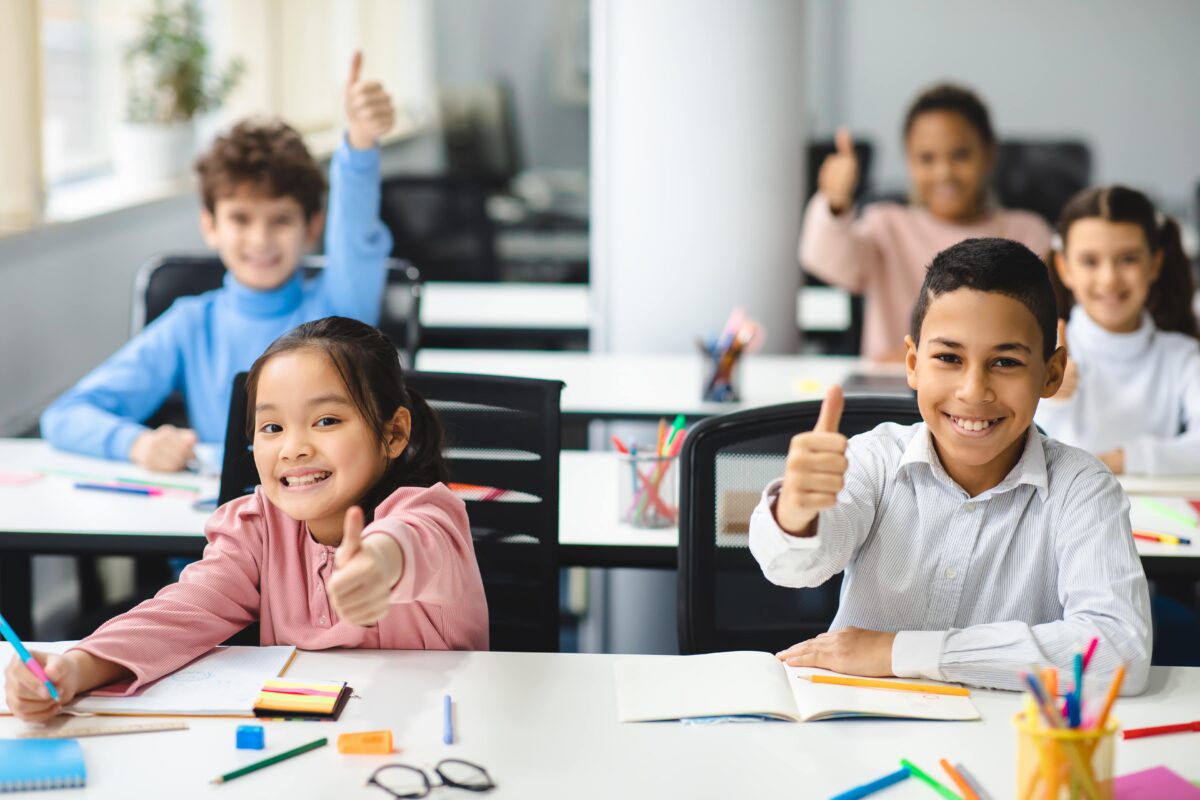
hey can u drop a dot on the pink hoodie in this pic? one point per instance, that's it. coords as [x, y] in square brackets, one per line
[262, 565]
[883, 254]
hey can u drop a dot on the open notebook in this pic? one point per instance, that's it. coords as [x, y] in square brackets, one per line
[752, 684]
[223, 682]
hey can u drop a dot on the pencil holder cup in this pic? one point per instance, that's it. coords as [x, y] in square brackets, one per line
[722, 378]
[647, 490]
[1064, 763]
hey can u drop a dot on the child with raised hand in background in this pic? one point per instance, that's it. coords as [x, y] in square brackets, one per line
[262, 193]
[339, 442]
[972, 546]
[1132, 392]
[950, 150]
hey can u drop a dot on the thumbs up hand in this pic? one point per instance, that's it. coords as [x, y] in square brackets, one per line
[1071, 374]
[369, 110]
[816, 470]
[838, 176]
[364, 573]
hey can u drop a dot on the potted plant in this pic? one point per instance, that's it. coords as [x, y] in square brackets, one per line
[170, 82]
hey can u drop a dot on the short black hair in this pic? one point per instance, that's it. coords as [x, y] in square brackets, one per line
[957, 99]
[992, 265]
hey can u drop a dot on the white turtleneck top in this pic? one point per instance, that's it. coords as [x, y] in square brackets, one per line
[1138, 391]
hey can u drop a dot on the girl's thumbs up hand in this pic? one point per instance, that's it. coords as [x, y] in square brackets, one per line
[838, 176]
[364, 573]
[816, 470]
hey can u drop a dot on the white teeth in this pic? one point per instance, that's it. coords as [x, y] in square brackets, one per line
[973, 425]
[305, 480]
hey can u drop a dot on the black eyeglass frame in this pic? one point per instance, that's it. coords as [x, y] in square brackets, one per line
[437, 769]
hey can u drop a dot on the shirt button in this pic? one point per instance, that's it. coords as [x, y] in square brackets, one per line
[951, 572]
[320, 587]
[324, 620]
[968, 507]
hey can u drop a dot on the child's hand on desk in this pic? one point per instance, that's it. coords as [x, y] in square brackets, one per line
[29, 698]
[369, 111]
[838, 175]
[851, 651]
[364, 573]
[816, 469]
[1071, 375]
[164, 449]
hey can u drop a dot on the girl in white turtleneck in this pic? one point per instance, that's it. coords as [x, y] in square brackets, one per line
[1132, 391]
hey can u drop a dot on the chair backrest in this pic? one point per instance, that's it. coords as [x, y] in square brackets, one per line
[164, 279]
[725, 602]
[1041, 176]
[503, 441]
[441, 224]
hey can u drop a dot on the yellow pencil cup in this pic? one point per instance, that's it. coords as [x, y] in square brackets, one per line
[1064, 763]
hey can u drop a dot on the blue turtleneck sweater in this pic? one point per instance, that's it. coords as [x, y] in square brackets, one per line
[201, 342]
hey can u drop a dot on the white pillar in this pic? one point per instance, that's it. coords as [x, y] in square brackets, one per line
[697, 134]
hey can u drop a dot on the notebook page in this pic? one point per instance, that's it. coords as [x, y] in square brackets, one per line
[817, 701]
[653, 688]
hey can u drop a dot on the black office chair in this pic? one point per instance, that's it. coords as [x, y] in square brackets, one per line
[725, 602]
[441, 224]
[504, 434]
[1041, 176]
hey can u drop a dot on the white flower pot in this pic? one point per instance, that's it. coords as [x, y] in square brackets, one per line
[148, 154]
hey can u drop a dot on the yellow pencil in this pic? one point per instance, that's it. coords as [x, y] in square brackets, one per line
[871, 683]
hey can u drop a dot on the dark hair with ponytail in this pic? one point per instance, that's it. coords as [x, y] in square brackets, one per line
[1170, 298]
[369, 366]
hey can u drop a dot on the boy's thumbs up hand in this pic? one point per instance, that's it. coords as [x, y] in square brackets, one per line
[369, 110]
[839, 173]
[1071, 374]
[816, 469]
[364, 573]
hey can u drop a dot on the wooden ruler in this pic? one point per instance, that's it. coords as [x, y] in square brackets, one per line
[108, 730]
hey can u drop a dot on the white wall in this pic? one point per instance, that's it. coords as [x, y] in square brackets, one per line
[1123, 76]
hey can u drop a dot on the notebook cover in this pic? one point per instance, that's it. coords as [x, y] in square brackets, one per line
[1159, 783]
[41, 764]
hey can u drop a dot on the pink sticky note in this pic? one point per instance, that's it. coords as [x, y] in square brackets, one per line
[1159, 783]
[18, 478]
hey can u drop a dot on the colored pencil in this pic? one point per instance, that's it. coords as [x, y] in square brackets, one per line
[871, 683]
[959, 781]
[874, 786]
[447, 720]
[1113, 690]
[1159, 730]
[1168, 512]
[1091, 651]
[266, 762]
[972, 781]
[148, 491]
[1163, 538]
[31, 663]
[928, 779]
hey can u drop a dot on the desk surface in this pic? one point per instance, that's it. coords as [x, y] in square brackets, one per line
[624, 386]
[545, 726]
[567, 306]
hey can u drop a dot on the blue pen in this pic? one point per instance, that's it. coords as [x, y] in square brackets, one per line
[1077, 706]
[108, 487]
[32, 663]
[873, 786]
[447, 721]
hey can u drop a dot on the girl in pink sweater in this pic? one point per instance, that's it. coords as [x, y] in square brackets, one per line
[351, 540]
[883, 253]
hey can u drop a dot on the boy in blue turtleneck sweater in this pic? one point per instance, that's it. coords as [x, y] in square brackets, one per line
[262, 194]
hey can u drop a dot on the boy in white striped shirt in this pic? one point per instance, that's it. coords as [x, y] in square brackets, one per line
[973, 547]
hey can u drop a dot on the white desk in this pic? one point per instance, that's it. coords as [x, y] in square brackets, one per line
[600, 385]
[567, 307]
[545, 726]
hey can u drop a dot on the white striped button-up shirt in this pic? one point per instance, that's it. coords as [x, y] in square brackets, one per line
[980, 588]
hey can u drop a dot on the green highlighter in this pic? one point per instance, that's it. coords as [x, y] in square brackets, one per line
[922, 775]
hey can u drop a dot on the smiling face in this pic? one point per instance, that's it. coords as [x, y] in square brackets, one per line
[978, 371]
[260, 239]
[949, 163]
[1109, 268]
[315, 453]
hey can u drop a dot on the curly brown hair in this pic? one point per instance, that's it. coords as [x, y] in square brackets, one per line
[267, 156]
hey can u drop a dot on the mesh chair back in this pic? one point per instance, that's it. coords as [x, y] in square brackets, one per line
[725, 602]
[503, 440]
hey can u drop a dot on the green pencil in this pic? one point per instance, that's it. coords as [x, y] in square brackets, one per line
[921, 775]
[266, 762]
[160, 485]
[1168, 512]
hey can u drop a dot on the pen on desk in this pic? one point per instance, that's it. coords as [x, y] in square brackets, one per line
[973, 782]
[266, 762]
[32, 663]
[928, 780]
[447, 720]
[148, 491]
[859, 792]
[899, 686]
[183, 487]
[1159, 730]
[1162, 538]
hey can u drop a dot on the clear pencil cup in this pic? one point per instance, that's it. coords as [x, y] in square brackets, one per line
[647, 490]
[1066, 763]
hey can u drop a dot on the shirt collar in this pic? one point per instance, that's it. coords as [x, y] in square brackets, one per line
[1030, 468]
[275, 302]
[1087, 336]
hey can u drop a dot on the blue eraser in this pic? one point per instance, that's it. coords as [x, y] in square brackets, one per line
[250, 737]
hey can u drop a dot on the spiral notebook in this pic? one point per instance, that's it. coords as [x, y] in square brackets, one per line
[41, 764]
